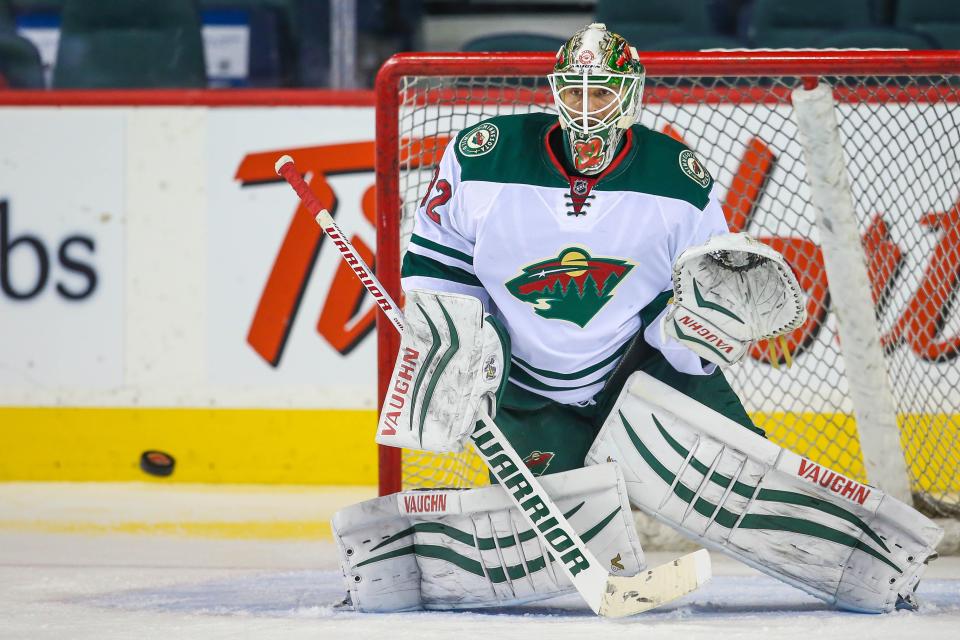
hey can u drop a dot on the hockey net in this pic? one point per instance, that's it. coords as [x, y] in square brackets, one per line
[899, 121]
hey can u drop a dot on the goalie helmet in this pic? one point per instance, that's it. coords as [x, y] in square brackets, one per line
[597, 84]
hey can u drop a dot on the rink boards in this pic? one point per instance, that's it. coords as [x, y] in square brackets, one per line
[160, 291]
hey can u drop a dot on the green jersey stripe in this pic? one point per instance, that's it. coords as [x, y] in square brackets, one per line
[575, 375]
[415, 264]
[522, 377]
[439, 248]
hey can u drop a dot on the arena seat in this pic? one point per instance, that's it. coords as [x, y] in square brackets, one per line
[876, 38]
[939, 19]
[517, 41]
[26, 6]
[651, 20]
[6, 17]
[274, 38]
[694, 43]
[20, 62]
[776, 24]
[130, 44]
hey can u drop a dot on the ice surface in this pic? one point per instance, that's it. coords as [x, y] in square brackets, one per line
[61, 583]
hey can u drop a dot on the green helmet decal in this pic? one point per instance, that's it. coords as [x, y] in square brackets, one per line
[612, 55]
[621, 58]
[597, 84]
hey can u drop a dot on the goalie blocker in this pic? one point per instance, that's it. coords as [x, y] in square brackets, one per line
[452, 362]
[733, 491]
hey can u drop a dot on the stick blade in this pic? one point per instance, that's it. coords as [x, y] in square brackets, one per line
[654, 587]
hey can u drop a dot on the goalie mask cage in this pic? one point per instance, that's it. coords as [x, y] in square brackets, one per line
[899, 127]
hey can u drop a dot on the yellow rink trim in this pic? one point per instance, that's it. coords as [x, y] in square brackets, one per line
[326, 447]
[826, 438]
[335, 447]
[259, 530]
[932, 444]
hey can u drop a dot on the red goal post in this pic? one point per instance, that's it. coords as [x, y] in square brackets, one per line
[899, 119]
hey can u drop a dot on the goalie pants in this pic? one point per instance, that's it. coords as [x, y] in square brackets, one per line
[553, 437]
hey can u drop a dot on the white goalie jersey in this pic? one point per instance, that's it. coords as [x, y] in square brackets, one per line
[570, 265]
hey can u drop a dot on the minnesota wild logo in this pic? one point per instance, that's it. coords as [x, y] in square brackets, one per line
[573, 286]
[538, 461]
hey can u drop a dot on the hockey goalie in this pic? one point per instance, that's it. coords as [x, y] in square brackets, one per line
[573, 279]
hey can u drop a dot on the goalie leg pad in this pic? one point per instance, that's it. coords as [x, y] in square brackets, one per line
[458, 549]
[731, 490]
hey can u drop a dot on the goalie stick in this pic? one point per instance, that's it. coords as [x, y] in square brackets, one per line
[606, 594]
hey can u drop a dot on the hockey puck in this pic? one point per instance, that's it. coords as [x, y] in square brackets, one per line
[157, 463]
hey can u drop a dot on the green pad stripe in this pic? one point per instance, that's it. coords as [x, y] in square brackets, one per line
[728, 519]
[496, 574]
[556, 375]
[441, 366]
[706, 304]
[773, 495]
[434, 347]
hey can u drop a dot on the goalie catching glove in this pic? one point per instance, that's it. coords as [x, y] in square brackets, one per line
[452, 361]
[727, 293]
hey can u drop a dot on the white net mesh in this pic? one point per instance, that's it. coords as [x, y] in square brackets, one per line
[901, 140]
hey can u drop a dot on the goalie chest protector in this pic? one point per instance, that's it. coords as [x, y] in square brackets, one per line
[569, 263]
